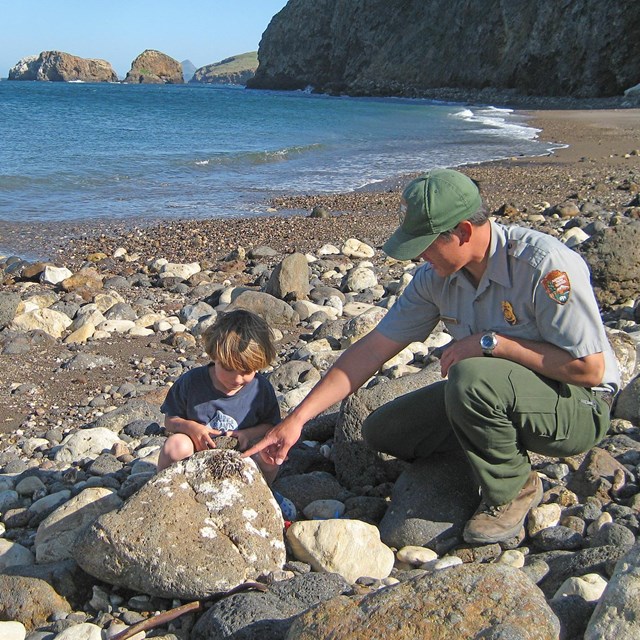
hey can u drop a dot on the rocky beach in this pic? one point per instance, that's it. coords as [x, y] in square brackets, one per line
[92, 336]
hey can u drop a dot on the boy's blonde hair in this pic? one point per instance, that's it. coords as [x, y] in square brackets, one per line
[240, 341]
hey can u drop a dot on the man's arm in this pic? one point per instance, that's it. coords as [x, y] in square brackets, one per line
[542, 357]
[352, 369]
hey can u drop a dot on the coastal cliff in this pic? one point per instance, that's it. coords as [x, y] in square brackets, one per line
[57, 66]
[154, 67]
[234, 70]
[577, 48]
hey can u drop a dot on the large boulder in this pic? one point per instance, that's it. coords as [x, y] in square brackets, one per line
[154, 67]
[204, 525]
[613, 255]
[430, 503]
[466, 601]
[355, 463]
[57, 66]
[234, 70]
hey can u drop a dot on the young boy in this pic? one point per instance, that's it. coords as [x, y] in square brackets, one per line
[226, 396]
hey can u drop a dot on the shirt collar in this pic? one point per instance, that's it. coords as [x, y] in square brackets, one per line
[497, 265]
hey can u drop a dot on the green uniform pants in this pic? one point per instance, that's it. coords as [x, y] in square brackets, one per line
[497, 411]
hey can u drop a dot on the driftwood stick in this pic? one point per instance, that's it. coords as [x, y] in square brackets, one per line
[172, 614]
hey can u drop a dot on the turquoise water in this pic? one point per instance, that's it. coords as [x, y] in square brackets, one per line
[73, 152]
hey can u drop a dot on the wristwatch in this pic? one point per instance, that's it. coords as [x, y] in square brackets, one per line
[488, 342]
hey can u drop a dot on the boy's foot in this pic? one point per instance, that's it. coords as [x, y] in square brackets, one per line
[497, 523]
[286, 506]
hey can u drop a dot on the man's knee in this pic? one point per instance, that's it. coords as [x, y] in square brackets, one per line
[373, 429]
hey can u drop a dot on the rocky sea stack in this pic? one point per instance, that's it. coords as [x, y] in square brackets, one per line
[154, 67]
[585, 48]
[57, 66]
[234, 70]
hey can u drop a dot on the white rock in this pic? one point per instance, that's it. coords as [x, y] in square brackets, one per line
[116, 326]
[354, 309]
[118, 627]
[83, 631]
[81, 334]
[38, 301]
[86, 443]
[354, 248]
[349, 547]
[574, 237]
[596, 525]
[119, 252]
[54, 275]
[12, 631]
[162, 325]
[149, 319]
[104, 301]
[512, 557]
[416, 555]
[140, 331]
[403, 357]
[589, 586]
[328, 250]
[87, 315]
[184, 271]
[13, 554]
[442, 563]
[52, 322]
[542, 517]
[360, 279]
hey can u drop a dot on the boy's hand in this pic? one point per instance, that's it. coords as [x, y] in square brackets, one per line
[202, 436]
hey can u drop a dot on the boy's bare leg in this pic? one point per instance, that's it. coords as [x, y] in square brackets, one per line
[176, 447]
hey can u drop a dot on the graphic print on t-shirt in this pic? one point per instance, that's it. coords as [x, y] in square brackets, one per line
[222, 422]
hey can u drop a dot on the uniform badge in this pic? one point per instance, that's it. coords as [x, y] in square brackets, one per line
[507, 312]
[557, 286]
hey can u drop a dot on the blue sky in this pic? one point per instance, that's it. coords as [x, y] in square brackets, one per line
[203, 31]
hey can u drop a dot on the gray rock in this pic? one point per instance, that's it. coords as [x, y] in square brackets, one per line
[117, 419]
[305, 488]
[558, 538]
[121, 311]
[628, 402]
[356, 464]
[8, 305]
[567, 564]
[617, 614]
[612, 533]
[574, 613]
[273, 310]
[290, 278]
[269, 615]
[430, 503]
[84, 361]
[203, 525]
[292, 374]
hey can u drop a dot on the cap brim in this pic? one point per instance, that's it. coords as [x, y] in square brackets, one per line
[403, 246]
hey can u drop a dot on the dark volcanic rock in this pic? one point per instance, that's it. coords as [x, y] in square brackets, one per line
[584, 48]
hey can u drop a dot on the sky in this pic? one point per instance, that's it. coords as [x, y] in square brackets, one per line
[203, 31]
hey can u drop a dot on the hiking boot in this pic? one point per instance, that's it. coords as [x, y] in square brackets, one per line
[497, 523]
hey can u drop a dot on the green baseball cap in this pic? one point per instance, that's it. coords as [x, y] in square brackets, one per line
[431, 204]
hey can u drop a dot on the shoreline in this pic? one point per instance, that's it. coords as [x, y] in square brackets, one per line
[597, 141]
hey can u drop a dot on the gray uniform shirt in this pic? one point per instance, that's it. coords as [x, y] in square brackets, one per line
[534, 287]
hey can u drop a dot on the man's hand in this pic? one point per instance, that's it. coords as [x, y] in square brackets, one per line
[275, 445]
[468, 347]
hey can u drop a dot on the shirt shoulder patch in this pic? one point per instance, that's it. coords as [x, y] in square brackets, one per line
[556, 284]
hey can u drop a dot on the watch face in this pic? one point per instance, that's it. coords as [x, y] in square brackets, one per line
[488, 341]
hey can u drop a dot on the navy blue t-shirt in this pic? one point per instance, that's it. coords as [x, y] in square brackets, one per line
[194, 397]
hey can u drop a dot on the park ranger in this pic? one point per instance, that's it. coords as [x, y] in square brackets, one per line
[529, 368]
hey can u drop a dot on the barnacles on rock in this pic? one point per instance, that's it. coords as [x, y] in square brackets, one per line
[225, 463]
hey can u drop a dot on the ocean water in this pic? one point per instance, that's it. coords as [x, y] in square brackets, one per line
[74, 152]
